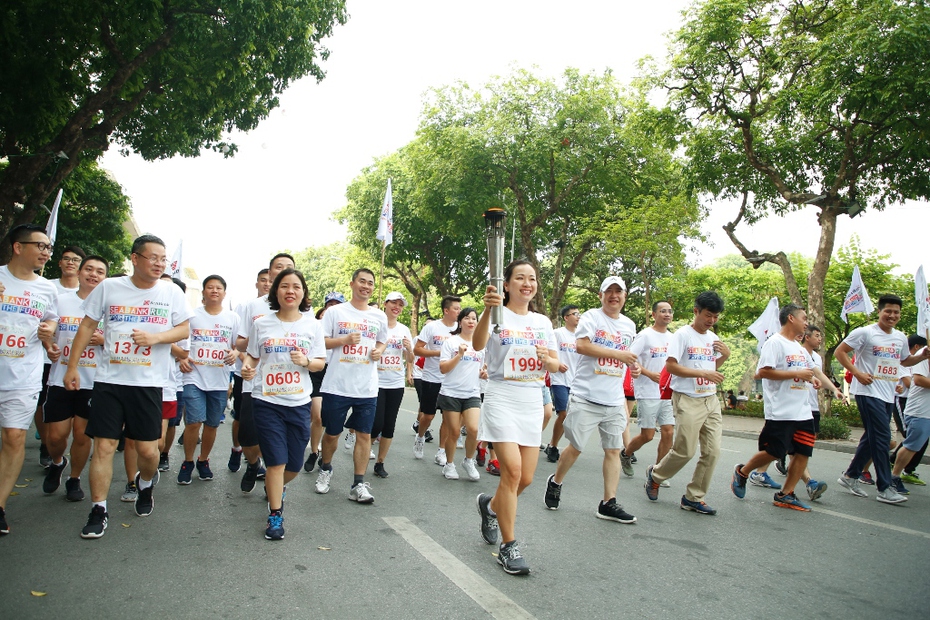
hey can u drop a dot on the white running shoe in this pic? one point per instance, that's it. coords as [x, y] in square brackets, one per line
[852, 485]
[371, 455]
[418, 447]
[460, 443]
[448, 470]
[471, 469]
[350, 442]
[440, 458]
[322, 481]
[361, 493]
[890, 496]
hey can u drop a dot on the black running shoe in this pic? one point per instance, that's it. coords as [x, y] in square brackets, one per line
[552, 454]
[235, 460]
[380, 471]
[4, 528]
[781, 467]
[53, 476]
[428, 436]
[553, 493]
[310, 463]
[612, 511]
[249, 477]
[512, 561]
[260, 472]
[44, 459]
[96, 523]
[489, 529]
[163, 462]
[73, 490]
[145, 502]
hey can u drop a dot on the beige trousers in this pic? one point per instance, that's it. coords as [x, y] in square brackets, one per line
[697, 420]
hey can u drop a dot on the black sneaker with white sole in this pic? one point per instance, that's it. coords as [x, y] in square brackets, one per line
[145, 502]
[489, 529]
[553, 493]
[96, 523]
[612, 511]
[73, 490]
[53, 476]
[511, 560]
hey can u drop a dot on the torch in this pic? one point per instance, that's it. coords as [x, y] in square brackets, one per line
[494, 226]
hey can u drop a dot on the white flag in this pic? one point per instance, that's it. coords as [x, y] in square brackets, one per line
[386, 224]
[857, 299]
[175, 267]
[767, 324]
[51, 229]
[922, 297]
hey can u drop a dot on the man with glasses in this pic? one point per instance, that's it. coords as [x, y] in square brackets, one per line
[141, 317]
[562, 380]
[28, 316]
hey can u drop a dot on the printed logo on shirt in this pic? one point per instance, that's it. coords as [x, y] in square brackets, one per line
[217, 334]
[367, 330]
[522, 337]
[796, 361]
[286, 345]
[68, 324]
[655, 352]
[438, 339]
[701, 354]
[147, 313]
[891, 352]
[568, 347]
[24, 305]
[611, 340]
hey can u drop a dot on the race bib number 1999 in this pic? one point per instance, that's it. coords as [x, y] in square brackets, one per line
[522, 364]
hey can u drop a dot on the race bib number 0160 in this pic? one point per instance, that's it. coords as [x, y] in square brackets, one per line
[281, 380]
[522, 364]
[125, 351]
[13, 341]
[209, 354]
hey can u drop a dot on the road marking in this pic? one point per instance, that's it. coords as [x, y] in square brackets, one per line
[728, 450]
[887, 526]
[490, 598]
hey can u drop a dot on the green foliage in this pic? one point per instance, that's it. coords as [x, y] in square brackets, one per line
[849, 414]
[833, 428]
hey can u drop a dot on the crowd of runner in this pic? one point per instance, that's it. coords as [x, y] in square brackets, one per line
[117, 363]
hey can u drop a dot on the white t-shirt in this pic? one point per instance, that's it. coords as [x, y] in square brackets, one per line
[271, 341]
[694, 350]
[880, 355]
[812, 393]
[918, 402]
[251, 312]
[212, 336]
[169, 393]
[785, 399]
[123, 307]
[600, 379]
[905, 372]
[351, 371]
[237, 367]
[393, 362]
[568, 355]
[511, 353]
[70, 315]
[62, 289]
[463, 381]
[25, 304]
[432, 336]
[651, 349]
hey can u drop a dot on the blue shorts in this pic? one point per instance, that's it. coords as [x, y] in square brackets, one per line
[547, 396]
[176, 420]
[918, 431]
[560, 395]
[335, 408]
[203, 407]
[283, 433]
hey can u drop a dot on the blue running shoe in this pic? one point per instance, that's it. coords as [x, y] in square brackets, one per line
[762, 479]
[815, 489]
[698, 507]
[738, 482]
[790, 500]
[184, 474]
[896, 484]
[275, 529]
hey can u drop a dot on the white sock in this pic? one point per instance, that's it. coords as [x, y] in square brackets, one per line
[103, 504]
[144, 484]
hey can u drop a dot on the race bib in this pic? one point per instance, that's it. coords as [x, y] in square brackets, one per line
[13, 340]
[125, 351]
[390, 363]
[522, 364]
[610, 367]
[355, 354]
[704, 386]
[209, 354]
[88, 356]
[887, 370]
[282, 380]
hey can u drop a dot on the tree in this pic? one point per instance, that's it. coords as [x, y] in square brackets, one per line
[162, 79]
[807, 102]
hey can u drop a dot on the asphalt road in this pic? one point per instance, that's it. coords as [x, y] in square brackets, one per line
[416, 552]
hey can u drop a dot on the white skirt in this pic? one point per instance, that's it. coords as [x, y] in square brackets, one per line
[511, 413]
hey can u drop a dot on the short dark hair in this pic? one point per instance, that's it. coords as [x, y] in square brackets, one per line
[140, 242]
[74, 250]
[448, 300]
[362, 270]
[101, 259]
[916, 340]
[273, 293]
[709, 300]
[655, 304]
[180, 284]
[786, 311]
[565, 310]
[810, 329]
[263, 272]
[23, 232]
[214, 277]
[280, 255]
[462, 314]
[888, 298]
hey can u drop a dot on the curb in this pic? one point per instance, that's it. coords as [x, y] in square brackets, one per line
[848, 447]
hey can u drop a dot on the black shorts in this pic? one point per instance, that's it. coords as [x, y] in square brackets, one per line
[113, 407]
[780, 438]
[316, 380]
[429, 392]
[816, 422]
[43, 393]
[61, 405]
[248, 436]
[237, 396]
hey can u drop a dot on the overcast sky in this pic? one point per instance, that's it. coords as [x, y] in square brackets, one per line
[291, 173]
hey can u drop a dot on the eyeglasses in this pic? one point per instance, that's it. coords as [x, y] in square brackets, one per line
[573, 314]
[155, 260]
[43, 247]
[75, 259]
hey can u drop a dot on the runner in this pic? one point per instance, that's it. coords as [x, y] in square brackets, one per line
[356, 333]
[562, 380]
[518, 356]
[248, 439]
[395, 368]
[68, 411]
[28, 321]
[284, 346]
[694, 359]
[206, 380]
[597, 401]
[880, 351]
[785, 369]
[141, 318]
[651, 349]
[916, 418]
[316, 403]
[428, 346]
[460, 395]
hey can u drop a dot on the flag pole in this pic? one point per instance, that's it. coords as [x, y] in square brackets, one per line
[381, 277]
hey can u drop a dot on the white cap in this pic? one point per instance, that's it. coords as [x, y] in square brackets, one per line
[613, 280]
[395, 296]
